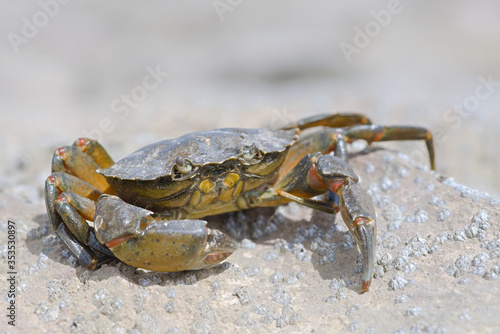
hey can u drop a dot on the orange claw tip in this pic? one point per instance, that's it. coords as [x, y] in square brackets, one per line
[60, 151]
[82, 141]
[62, 198]
[93, 264]
[366, 285]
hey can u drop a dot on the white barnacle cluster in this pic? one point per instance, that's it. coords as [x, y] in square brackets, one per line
[398, 282]
[473, 194]
[414, 248]
[477, 228]
[486, 263]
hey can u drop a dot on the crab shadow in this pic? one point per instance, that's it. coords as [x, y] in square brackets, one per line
[335, 258]
[145, 278]
[263, 226]
[42, 240]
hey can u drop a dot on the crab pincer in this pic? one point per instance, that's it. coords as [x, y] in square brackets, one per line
[358, 214]
[316, 174]
[355, 207]
[146, 240]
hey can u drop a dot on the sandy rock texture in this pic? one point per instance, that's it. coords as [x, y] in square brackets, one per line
[129, 74]
[297, 271]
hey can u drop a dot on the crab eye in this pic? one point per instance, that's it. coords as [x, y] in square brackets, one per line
[249, 152]
[183, 166]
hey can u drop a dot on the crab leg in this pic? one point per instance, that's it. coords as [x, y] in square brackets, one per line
[316, 174]
[374, 133]
[349, 127]
[70, 194]
[72, 208]
[83, 253]
[57, 183]
[330, 139]
[67, 212]
[152, 241]
[93, 149]
[358, 213]
[333, 121]
[74, 161]
[326, 141]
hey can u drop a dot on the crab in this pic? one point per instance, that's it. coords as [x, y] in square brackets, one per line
[146, 209]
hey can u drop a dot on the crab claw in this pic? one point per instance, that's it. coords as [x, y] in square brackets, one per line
[355, 207]
[145, 240]
[327, 172]
[359, 215]
[218, 247]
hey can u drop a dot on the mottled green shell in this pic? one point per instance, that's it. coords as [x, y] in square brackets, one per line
[199, 148]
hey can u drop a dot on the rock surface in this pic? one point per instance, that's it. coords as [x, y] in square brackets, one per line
[297, 271]
[261, 65]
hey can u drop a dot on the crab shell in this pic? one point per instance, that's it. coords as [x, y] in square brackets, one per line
[150, 177]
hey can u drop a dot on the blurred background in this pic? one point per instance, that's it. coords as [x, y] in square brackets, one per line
[130, 72]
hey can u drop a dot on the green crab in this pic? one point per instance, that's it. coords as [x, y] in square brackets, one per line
[146, 209]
